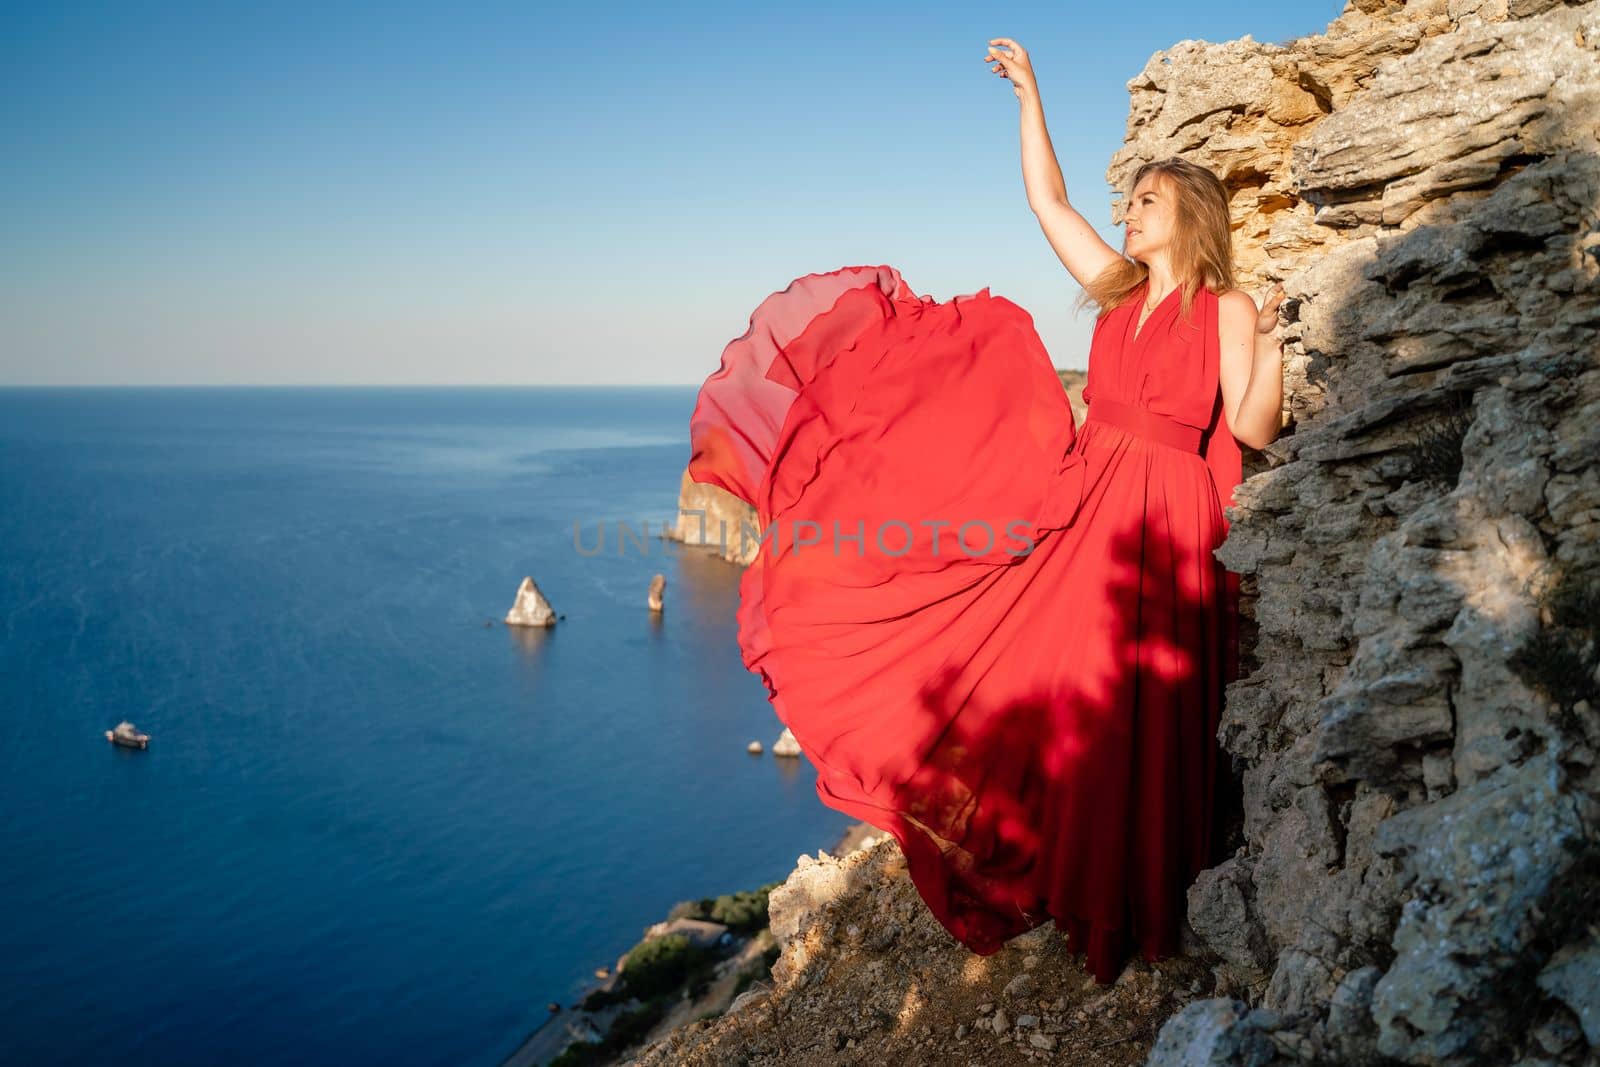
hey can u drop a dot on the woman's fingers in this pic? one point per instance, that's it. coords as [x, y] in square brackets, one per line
[1002, 65]
[1013, 67]
[1012, 64]
[1017, 52]
[1268, 320]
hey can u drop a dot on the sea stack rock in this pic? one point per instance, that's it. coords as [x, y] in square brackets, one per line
[531, 608]
[786, 745]
[658, 585]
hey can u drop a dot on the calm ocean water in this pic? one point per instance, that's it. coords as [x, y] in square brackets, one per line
[369, 828]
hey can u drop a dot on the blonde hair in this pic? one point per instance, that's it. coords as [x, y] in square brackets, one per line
[1201, 249]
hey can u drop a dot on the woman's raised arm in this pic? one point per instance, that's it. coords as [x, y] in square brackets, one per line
[1081, 249]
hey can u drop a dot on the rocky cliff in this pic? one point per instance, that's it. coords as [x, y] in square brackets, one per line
[1416, 727]
[1417, 735]
[711, 517]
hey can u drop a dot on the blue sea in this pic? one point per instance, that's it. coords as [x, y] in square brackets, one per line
[374, 825]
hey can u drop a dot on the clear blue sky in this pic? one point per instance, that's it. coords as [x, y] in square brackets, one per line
[522, 193]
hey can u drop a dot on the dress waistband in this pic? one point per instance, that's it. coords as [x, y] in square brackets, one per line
[1145, 423]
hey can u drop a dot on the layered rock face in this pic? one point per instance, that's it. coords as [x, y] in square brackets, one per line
[1416, 735]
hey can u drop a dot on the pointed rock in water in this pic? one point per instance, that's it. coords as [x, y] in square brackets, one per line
[754, 748]
[531, 608]
[658, 584]
[786, 745]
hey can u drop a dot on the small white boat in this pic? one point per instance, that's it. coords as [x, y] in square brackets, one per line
[128, 737]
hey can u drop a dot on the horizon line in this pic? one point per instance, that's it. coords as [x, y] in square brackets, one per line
[374, 385]
[349, 385]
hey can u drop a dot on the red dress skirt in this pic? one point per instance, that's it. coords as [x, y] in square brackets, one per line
[998, 638]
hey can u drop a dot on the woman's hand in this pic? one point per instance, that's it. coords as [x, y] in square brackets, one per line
[1267, 320]
[1011, 62]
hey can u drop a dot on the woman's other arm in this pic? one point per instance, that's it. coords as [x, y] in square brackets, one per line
[1081, 250]
[1251, 371]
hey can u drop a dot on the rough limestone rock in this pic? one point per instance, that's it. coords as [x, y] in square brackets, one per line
[1215, 1032]
[1573, 977]
[654, 599]
[792, 907]
[530, 608]
[1420, 810]
[1493, 851]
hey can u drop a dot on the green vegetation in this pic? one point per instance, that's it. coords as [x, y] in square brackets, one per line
[1561, 657]
[660, 970]
[744, 912]
[1435, 453]
[600, 998]
[664, 964]
[658, 965]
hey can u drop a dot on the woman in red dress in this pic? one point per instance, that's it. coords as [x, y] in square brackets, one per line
[996, 637]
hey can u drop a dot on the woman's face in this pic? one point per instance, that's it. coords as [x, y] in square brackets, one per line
[1148, 219]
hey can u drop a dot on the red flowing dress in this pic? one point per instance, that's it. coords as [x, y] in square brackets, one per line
[1002, 639]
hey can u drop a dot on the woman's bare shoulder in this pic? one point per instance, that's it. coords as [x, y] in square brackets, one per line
[1237, 298]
